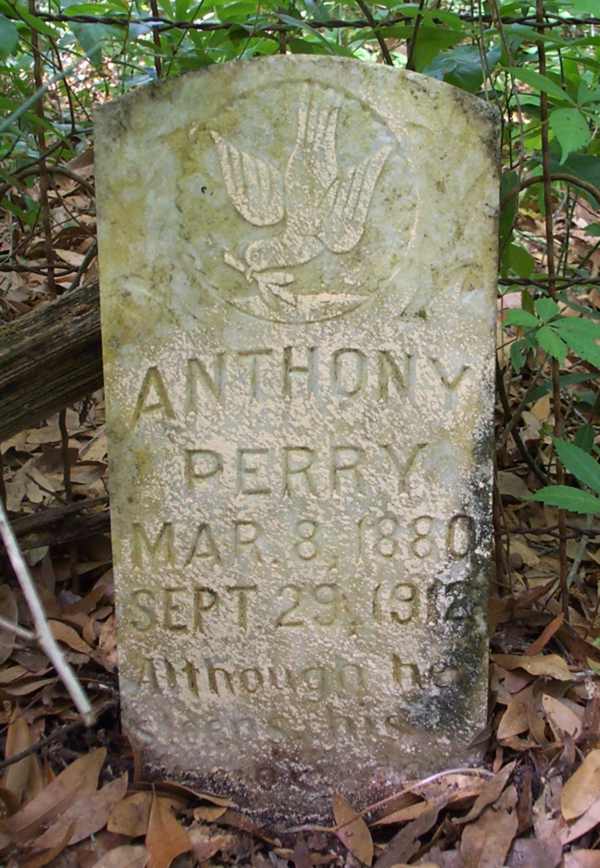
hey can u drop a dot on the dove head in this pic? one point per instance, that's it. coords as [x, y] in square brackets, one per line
[262, 254]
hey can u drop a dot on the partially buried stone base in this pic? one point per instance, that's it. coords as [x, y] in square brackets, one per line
[298, 324]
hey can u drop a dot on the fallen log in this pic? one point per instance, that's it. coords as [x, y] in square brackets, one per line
[49, 358]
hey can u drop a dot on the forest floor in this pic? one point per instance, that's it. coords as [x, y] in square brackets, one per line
[70, 796]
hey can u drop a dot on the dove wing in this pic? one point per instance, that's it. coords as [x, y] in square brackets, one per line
[347, 202]
[312, 167]
[254, 187]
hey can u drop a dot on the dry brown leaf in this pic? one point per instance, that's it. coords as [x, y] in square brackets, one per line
[582, 859]
[12, 673]
[301, 854]
[511, 485]
[166, 838]
[515, 719]
[8, 611]
[403, 815]
[204, 846]
[405, 843]
[77, 780]
[71, 256]
[545, 636]
[49, 855]
[582, 788]
[30, 687]
[68, 636]
[127, 856]
[529, 853]
[354, 832]
[180, 791]
[208, 814]
[489, 794]
[107, 644]
[589, 820]
[18, 738]
[453, 788]
[87, 814]
[130, 816]
[561, 718]
[485, 843]
[548, 665]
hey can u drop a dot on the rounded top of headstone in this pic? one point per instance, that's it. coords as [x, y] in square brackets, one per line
[299, 185]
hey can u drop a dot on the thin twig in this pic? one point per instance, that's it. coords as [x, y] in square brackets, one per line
[156, 40]
[64, 443]
[90, 254]
[44, 636]
[385, 52]
[581, 550]
[409, 788]
[163, 23]
[551, 177]
[59, 734]
[525, 454]
[19, 631]
[552, 290]
[410, 56]
[38, 75]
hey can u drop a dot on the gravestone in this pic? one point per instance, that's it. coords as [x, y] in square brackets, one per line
[298, 258]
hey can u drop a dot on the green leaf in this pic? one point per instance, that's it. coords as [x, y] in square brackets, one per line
[462, 66]
[510, 206]
[431, 41]
[549, 341]
[592, 229]
[568, 497]
[539, 82]
[579, 463]
[546, 308]
[92, 37]
[518, 350]
[330, 45]
[584, 438]
[585, 166]
[571, 129]
[574, 325]
[518, 260]
[581, 335]
[521, 318]
[9, 37]
[36, 23]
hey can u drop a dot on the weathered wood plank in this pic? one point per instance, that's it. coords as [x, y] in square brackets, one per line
[49, 358]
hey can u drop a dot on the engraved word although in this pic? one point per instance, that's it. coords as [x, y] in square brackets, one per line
[160, 675]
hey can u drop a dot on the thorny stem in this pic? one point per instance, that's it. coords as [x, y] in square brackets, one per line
[556, 403]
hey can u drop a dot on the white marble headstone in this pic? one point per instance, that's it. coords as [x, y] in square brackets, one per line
[298, 261]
